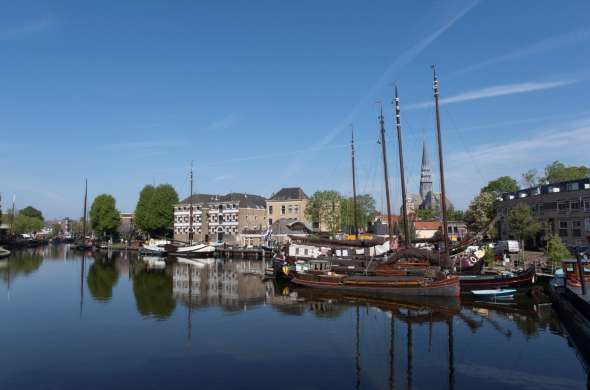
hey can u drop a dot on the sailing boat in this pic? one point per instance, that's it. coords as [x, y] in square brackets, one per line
[83, 245]
[192, 250]
[422, 280]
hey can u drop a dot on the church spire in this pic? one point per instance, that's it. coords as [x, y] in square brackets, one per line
[425, 176]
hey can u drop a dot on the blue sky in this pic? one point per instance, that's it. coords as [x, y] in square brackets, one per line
[260, 94]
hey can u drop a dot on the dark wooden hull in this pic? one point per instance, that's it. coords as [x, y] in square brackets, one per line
[486, 282]
[381, 286]
[576, 319]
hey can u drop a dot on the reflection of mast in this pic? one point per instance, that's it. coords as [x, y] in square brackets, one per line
[358, 349]
[392, 353]
[190, 294]
[84, 220]
[451, 355]
[82, 283]
[409, 371]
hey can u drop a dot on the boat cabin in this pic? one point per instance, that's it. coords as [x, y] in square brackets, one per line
[319, 265]
[572, 273]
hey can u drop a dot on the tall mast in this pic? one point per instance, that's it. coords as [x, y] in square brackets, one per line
[354, 210]
[401, 169]
[190, 218]
[84, 219]
[386, 174]
[443, 195]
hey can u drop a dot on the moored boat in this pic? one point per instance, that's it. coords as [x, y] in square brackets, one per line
[4, 252]
[496, 293]
[521, 279]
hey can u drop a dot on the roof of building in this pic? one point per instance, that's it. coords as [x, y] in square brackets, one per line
[289, 226]
[289, 193]
[245, 200]
[427, 225]
[564, 186]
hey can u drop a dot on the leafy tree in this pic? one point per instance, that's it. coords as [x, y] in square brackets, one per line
[427, 214]
[56, 230]
[455, 215]
[154, 213]
[522, 223]
[557, 171]
[25, 224]
[323, 208]
[104, 217]
[398, 229]
[501, 185]
[32, 212]
[530, 178]
[365, 209]
[489, 256]
[556, 250]
[480, 212]
[78, 226]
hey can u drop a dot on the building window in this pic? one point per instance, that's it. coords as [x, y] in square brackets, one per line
[574, 205]
[270, 221]
[586, 204]
[270, 209]
[296, 208]
[283, 209]
[563, 206]
[563, 228]
[572, 186]
[587, 224]
[577, 228]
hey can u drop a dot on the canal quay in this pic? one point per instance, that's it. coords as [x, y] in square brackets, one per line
[111, 321]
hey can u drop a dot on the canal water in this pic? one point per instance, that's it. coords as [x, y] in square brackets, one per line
[113, 321]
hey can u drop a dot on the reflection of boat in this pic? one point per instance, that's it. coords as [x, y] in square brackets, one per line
[571, 300]
[508, 280]
[4, 252]
[498, 293]
[154, 262]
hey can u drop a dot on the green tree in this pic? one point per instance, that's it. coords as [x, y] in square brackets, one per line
[365, 209]
[522, 223]
[489, 256]
[25, 224]
[530, 178]
[323, 209]
[32, 212]
[104, 217]
[455, 215]
[427, 214]
[501, 185]
[480, 213]
[154, 213]
[556, 250]
[56, 229]
[557, 171]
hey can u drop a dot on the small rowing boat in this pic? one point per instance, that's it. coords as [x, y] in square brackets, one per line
[504, 293]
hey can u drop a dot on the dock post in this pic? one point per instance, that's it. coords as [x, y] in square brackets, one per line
[581, 273]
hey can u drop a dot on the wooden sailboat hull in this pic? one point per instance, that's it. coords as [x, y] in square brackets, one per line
[381, 286]
[487, 282]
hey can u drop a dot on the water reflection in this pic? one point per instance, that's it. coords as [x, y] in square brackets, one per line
[338, 340]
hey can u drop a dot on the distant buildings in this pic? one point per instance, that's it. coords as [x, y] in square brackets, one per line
[219, 218]
[127, 227]
[66, 226]
[288, 203]
[562, 208]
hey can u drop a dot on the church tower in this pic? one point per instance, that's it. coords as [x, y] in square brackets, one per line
[425, 176]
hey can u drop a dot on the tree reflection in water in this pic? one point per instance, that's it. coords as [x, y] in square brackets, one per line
[20, 263]
[102, 277]
[153, 293]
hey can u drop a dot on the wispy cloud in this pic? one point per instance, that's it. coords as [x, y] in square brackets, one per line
[403, 59]
[555, 42]
[224, 123]
[494, 91]
[43, 24]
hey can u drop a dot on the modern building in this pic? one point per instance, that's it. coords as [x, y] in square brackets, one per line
[219, 218]
[562, 208]
[288, 203]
